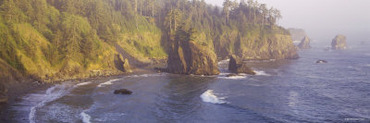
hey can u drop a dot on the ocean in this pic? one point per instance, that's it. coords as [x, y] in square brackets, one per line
[286, 91]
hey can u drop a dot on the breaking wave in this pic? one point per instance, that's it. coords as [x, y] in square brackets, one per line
[107, 83]
[261, 73]
[52, 94]
[85, 117]
[210, 97]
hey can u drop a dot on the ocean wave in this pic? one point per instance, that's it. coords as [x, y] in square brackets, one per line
[82, 84]
[85, 117]
[367, 65]
[147, 75]
[210, 97]
[261, 73]
[52, 94]
[107, 83]
[233, 77]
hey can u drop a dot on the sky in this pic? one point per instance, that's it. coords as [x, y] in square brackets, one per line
[324, 19]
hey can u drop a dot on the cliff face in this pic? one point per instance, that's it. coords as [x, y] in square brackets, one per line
[339, 42]
[188, 57]
[305, 43]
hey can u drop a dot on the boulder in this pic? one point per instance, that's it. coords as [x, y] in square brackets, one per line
[305, 43]
[122, 91]
[236, 66]
[188, 57]
[339, 42]
[321, 61]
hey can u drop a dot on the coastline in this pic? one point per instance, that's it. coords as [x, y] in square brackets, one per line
[17, 90]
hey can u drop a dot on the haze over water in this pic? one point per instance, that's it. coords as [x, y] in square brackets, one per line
[323, 19]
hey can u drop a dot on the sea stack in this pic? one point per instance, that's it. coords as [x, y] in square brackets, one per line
[236, 66]
[339, 42]
[305, 43]
[189, 57]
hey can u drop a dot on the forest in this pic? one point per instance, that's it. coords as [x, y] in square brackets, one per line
[59, 39]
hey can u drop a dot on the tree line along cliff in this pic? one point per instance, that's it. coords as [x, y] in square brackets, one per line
[62, 39]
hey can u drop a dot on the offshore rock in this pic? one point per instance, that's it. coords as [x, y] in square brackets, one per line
[339, 42]
[321, 61]
[237, 66]
[305, 43]
[123, 91]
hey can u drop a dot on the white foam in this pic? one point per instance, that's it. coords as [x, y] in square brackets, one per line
[261, 73]
[107, 83]
[210, 97]
[147, 75]
[82, 84]
[85, 117]
[233, 77]
[52, 94]
[367, 65]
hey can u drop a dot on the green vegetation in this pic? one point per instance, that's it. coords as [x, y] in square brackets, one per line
[59, 39]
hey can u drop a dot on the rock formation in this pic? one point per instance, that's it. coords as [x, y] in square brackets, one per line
[121, 64]
[122, 91]
[305, 43]
[339, 42]
[236, 66]
[188, 57]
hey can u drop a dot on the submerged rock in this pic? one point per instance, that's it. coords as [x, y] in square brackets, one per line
[339, 42]
[321, 61]
[122, 91]
[305, 43]
[236, 66]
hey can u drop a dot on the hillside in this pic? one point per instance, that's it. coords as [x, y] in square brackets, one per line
[67, 39]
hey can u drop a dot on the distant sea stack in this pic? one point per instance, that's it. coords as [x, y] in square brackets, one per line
[339, 42]
[305, 43]
[188, 57]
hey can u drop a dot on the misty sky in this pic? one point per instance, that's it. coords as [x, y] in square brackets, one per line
[323, 19]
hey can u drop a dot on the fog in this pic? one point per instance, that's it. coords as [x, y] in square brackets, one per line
[323, 19]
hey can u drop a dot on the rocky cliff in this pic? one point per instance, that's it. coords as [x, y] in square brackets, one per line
[339, 42]
[305, 43]
[189, 57]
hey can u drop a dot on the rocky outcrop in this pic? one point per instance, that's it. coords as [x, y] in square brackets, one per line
[236, 66]
[121, 64]
[305, 43]
[122, 91]
[339, 42]
[188, 57]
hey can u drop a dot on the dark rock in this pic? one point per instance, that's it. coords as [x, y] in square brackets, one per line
[3, 94]
[231, 75]
[321, 61]
[339, 42]
[305, 43]
[188, 57]
[236, 66]
[123, 91]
